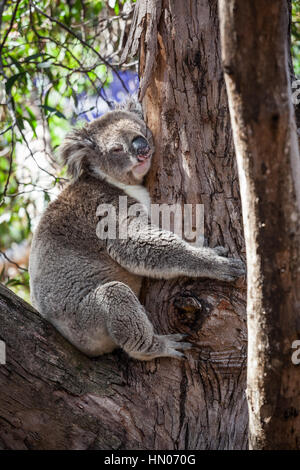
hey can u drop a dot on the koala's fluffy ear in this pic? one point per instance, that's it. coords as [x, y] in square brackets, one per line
[132, 105]
[77, 145]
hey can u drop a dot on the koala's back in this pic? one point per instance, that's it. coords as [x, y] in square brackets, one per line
[67, 259]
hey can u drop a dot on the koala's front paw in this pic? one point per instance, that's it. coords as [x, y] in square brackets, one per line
[221, 251]
[230, 269]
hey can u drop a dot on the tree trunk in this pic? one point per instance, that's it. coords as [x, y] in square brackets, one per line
[184, 96]
[255, 56]
[54, 397]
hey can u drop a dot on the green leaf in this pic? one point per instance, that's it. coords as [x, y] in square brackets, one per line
[20, 122]
[17, 63]
[117, 9]
[34, 56]
[10, 82]
[53, 110]
[46, 197]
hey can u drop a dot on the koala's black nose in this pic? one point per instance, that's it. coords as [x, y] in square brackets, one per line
[140, 146]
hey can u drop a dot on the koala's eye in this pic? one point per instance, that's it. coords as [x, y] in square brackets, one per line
[117, 149]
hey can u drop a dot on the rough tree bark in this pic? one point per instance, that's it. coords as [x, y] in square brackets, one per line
[255, 56]
[184, 96]
[54, 397]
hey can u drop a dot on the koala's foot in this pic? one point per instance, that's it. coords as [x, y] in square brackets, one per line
[164, 346]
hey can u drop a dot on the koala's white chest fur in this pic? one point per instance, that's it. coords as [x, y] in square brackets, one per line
[138, 192]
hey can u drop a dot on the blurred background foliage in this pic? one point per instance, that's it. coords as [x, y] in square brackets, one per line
[296, 37]
[59, 65]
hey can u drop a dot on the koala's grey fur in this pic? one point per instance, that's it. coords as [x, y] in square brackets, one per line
[87, 287]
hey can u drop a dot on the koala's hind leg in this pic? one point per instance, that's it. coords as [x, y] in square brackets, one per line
[111, 316]
[128, 325]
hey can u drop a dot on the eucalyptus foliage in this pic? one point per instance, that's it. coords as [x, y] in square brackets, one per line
[52, 54]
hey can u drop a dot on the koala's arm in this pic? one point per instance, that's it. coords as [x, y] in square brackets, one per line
[151, 252]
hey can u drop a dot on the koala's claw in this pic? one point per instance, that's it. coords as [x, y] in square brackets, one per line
[165, 346]
[177, 354]
[173, 343]
[176, 336]
[183, 346]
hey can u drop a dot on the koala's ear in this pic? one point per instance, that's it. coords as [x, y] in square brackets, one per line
[75, 149]
[132, 105]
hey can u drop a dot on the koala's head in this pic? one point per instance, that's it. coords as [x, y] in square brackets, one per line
[117, 145]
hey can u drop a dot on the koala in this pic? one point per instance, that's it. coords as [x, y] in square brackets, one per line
[88, 287]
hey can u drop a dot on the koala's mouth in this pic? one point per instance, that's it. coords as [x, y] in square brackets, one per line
[143, 165]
